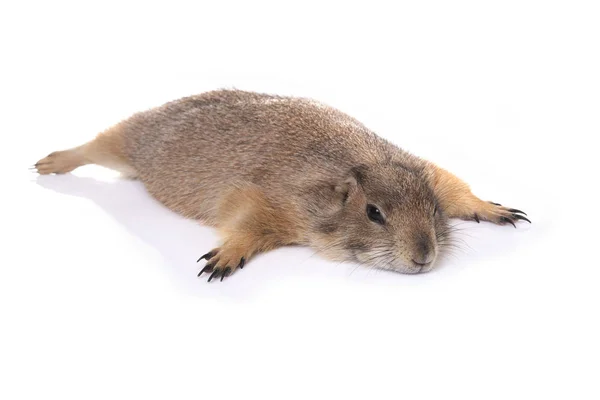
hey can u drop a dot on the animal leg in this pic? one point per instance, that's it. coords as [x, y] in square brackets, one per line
[105, 150]
[249, 224]
[457, 200]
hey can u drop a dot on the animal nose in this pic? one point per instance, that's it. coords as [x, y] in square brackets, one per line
[424, 252]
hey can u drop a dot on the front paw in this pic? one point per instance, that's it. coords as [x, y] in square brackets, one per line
[496, 213]
[222, 262]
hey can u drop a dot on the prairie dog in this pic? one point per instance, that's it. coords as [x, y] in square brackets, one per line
[270, 171]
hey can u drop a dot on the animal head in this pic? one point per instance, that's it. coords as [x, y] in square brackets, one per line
[386, 216]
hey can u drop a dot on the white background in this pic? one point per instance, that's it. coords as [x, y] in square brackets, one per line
[99, 296]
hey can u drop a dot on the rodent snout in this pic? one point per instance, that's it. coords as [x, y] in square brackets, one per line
[424, 252]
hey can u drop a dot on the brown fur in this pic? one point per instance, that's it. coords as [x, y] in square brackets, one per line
[269, 171]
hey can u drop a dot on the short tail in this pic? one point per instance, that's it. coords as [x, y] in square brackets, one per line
[105, 150]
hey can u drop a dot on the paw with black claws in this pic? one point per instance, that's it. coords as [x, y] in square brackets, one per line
[222, 262]
[496, 213]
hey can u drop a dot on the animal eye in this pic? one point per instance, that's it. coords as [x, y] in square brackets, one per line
[374, 214]
[435, 211]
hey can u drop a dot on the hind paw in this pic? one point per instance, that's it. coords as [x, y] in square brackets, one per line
[59, 162]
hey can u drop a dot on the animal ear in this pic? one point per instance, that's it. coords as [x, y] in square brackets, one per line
[345, 189]
[358, 173]
[348, 187]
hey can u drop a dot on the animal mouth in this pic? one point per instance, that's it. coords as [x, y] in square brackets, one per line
[421, 264]
[422, 267]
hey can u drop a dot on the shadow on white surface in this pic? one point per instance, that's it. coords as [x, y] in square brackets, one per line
[178, 240]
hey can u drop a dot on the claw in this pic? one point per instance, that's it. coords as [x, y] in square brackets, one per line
[208, 256]
[242, 262]
[226, 272]
[504, 219]
[514, 210]
[517, 216]
[214, 274]
[207, 268]
[476, 218]
[496, 204]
